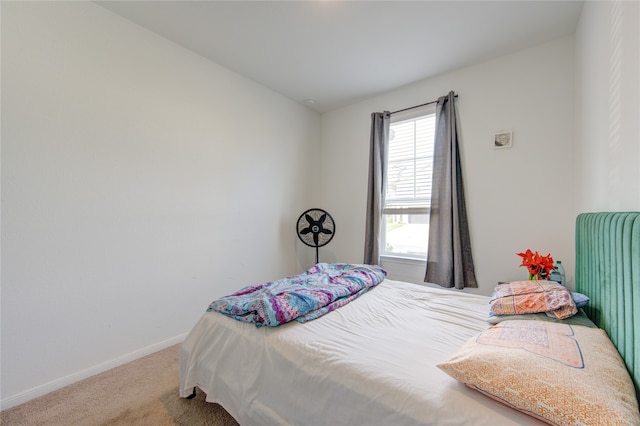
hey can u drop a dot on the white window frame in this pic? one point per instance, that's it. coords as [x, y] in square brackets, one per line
[403, 116]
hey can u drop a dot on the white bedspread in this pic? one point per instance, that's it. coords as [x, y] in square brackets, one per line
[372, 362]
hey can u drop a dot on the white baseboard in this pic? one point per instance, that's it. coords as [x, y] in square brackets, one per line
[30, 394]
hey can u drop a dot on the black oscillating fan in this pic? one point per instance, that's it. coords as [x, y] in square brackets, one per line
[316, 228]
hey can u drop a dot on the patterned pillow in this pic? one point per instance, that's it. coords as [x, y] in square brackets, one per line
[561, 374]
[529, 297]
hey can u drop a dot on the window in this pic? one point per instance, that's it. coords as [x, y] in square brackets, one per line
[409, 165]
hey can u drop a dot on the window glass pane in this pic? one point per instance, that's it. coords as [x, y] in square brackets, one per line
[406, 235]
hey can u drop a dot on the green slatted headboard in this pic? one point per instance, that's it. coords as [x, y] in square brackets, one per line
[608, 271]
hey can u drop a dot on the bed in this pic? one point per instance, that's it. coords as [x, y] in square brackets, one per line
[394, 354]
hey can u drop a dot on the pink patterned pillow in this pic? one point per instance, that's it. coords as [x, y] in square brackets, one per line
[529, 297]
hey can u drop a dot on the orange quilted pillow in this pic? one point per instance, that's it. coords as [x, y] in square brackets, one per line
[562, 374]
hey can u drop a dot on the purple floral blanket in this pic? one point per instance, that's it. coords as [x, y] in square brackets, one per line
[303, 297]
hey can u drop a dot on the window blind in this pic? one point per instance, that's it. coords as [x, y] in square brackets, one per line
[410, 165]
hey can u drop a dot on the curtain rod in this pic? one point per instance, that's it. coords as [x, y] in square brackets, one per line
[418, 106]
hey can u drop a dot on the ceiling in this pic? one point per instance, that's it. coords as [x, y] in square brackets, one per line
[337, 52]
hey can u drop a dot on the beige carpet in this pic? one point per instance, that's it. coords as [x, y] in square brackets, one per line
[142, 392]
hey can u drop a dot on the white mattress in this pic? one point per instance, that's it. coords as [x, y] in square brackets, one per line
[371, 362]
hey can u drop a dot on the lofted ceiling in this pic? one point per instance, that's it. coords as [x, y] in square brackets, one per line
[337, 52]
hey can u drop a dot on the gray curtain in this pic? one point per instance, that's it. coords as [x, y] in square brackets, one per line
[449, 259]
[375, 194]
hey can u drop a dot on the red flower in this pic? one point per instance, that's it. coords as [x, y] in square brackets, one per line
[537, 265]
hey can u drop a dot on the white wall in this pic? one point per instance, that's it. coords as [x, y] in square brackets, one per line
[517, 198]
[607, 142]
[139, 182]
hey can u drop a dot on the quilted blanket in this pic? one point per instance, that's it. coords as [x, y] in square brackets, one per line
[527, 297]
[304, 297]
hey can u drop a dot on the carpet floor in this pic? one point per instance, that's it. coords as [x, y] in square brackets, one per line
[142, 392]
